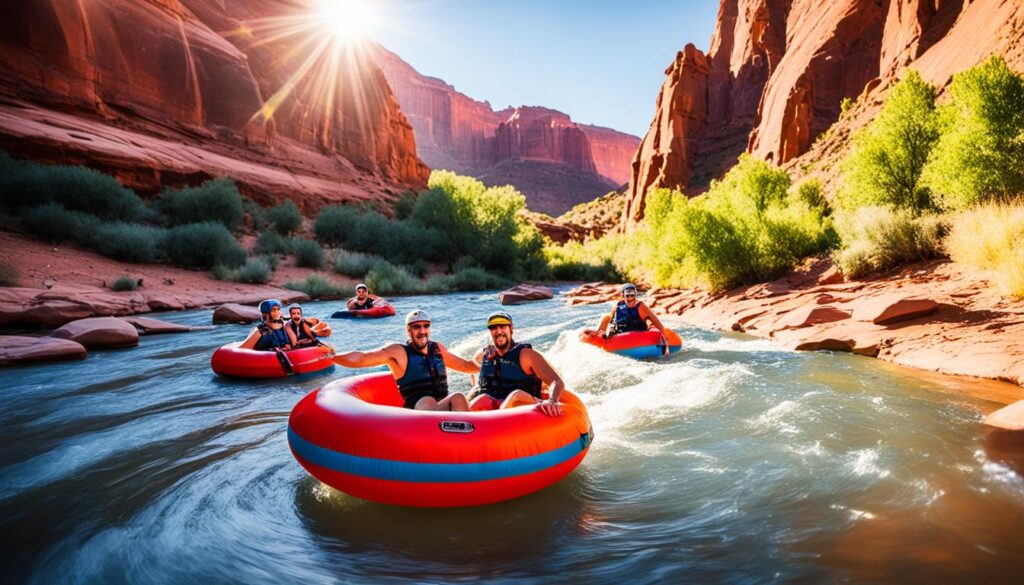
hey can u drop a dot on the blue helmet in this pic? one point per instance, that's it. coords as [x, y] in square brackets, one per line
[269, 304]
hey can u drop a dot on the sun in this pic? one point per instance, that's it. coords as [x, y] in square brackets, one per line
[345, 20]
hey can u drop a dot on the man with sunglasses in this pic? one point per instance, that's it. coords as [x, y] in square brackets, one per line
[512, 374]
[630, 314]
[418, 365]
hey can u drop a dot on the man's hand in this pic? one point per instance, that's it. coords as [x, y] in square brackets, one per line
[550, 407]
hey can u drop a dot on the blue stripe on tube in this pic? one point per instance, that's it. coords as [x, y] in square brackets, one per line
[432, 472]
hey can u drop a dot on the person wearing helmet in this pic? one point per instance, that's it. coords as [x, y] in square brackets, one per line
[363, 299]
[270, 333]
[299, 327]
[513, 374]
[419, 367]
[630, 314]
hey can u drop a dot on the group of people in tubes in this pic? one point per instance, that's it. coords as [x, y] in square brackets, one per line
[509, 373]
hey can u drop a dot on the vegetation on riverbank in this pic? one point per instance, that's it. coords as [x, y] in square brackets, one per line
[917, 172]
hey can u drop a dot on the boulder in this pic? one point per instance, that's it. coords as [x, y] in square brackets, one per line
[235, 313]
[1009, 418]
[812, 315]
[892, 308]
[147, 326]
[15, 349]
[99, 332]
[524, 293]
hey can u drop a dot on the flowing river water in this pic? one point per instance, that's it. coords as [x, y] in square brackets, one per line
[732, 461]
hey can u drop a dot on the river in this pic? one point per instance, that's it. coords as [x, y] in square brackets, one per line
[732, 461]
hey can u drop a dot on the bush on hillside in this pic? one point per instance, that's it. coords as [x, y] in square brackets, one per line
[270, 242]
[317, 287]
[884, 166]
[255, 271]
[131, 242]
[355, 264]
[334, 224]
[575, 261]
[991, 237]
[405, 205]
[876, 239]
[810, 194]
[124, 283]
[468, 279]
[203, 245]
[388, 279]
[308, 254]
[284, 217]
[55, 224]
[28, 184]
[980, 155]
[217, 201]
[8, 274]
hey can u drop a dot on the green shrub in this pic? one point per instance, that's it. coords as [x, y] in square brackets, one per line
[334, 224]
[405, 205]
[255, 213]
[8, 274]
[875, 239]
[28, 184]
[124, 283]
[810, 194]
[355, 264]
[574, 262]
[131, 242]
[255, 271]
[308, 254]
[470, 279]
[271, 260]
[317, 287]
[203, 245]
[991, 237]
[884, 166]
[388, 279]
[284, 217]
[270, 242]
[55, 224]
[217, 201]
[980, 155]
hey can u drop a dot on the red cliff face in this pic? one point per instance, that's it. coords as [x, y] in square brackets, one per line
[778, 71]
[148, 91]
[458, 133]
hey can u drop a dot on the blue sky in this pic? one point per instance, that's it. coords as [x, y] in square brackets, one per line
[601, 62]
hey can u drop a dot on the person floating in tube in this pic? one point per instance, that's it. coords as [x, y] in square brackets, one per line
[418, 365]
[307, 330]
[513, 374]
[630, 314]
[364, 300]
[270, 333]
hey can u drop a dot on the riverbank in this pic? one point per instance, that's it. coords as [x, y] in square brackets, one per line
[58, 284]
[937, 316]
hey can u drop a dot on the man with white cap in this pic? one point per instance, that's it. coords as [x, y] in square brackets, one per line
[418, 365]
[630, 314]
[363, 299]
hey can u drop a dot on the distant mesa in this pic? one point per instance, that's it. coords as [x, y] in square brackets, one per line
[776, 74]
[554, 161]
[157, 93]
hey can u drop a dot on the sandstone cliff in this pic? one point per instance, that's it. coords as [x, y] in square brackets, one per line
[777, 71]
[167, 92]
[554, 161]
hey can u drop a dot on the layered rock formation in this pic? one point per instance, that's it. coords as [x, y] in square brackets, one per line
[171, 92]
[555, 162]
[778, 70]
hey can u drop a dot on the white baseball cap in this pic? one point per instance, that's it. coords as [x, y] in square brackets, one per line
[417, 316]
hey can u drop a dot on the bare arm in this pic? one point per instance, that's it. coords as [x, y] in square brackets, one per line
[603, 327]
[534, 363]
[649, 315]
[292, 341]
[351, 304]
[384, 356]
[458, 364]
[250, 342]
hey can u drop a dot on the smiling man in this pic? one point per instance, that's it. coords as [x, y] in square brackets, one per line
[418, 365]
[630, 314]
[513, 374]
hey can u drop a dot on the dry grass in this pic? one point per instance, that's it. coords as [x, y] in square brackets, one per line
[991, 237]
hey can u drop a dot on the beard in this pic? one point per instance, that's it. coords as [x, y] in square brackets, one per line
[502, 341]
[420, 340]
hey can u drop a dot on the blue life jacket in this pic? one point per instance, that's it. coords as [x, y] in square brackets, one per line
[271, 338]
[627, 319]
[360, 306]
[501, 374]
[425, 375]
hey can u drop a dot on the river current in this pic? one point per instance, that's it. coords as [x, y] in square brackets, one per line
[732, 461]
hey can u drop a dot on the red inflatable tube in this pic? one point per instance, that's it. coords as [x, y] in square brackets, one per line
[232, 361]
[638, 344]
[371, 313]
[354, 436]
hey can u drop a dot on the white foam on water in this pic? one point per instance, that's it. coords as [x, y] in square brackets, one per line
[865, 462]
[784, 416]
[853, 512]
[926, 493]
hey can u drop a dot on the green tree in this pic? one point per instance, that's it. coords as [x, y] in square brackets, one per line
[884, 166]
[980, 155]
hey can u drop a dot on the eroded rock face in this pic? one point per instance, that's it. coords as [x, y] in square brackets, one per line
[235, 313]
[778, 71]
[16, 349]
[524, 293]
[456, 132]
[100, 332]
[167, 92]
